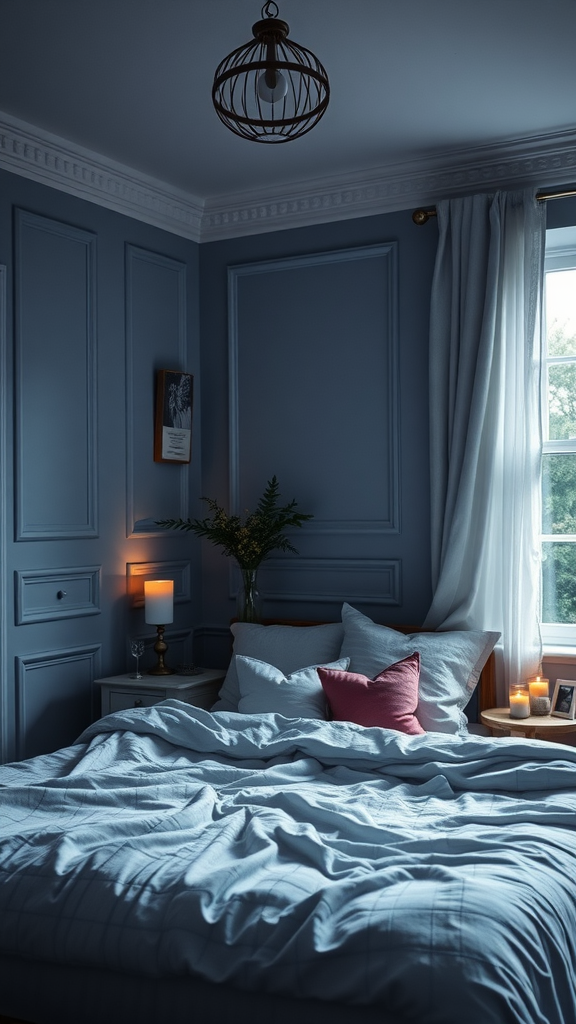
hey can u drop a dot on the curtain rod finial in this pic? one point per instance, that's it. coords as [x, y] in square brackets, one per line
[422, 216]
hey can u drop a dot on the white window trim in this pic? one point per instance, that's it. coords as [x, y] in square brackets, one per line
[559, 640]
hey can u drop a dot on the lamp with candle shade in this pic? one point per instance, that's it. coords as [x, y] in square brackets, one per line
[159, 611]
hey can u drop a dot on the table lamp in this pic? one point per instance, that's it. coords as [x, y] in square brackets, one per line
[159, 611]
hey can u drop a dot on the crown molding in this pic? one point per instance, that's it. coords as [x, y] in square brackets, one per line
[545, 161]
[46, 158]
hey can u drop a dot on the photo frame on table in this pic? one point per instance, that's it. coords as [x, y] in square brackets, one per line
[173, 416]
[564, 699]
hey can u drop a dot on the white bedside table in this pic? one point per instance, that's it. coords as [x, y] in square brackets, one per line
[122, 692]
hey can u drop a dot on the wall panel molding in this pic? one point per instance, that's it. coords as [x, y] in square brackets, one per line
[56, 379]
[356, 527]
[383, 259]
[44, 595]
[373, 581]
[144, 347]
[54, 697]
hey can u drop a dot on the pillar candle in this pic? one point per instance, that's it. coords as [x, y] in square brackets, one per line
[159, 601]
[519, 705]
[538, 687]
[539, 699]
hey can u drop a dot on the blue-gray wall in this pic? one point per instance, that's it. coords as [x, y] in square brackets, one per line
[314, 368]
[308, 349]
[309, 354]
[91, 305]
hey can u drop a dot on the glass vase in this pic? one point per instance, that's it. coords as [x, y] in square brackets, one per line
[249, 604]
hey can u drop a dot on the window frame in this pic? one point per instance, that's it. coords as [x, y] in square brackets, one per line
[560, 255]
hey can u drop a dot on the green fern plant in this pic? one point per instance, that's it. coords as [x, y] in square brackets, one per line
[252, 538]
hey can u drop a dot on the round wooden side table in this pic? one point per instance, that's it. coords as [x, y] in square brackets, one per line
[535, 727]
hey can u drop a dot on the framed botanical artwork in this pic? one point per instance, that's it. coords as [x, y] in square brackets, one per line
[173, 416]
[564, 699]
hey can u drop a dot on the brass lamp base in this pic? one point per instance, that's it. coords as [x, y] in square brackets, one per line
[160, 669]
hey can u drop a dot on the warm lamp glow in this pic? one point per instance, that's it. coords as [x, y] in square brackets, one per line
[159, 601]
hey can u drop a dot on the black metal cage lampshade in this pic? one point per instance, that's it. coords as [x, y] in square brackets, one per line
[270, 89]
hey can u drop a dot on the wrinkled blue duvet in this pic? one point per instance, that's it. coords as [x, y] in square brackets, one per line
[431, 874]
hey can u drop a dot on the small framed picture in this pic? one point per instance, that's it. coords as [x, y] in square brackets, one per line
[173, 416]
[564, 699]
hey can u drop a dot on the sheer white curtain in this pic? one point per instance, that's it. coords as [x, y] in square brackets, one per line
[485, 426]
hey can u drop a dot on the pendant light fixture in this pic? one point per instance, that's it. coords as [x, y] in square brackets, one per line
[270, 89]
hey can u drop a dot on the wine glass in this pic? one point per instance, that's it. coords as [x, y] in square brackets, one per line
[137, 650]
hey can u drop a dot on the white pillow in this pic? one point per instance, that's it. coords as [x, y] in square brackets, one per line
[286, 647]
[450, 664]
[265, 689]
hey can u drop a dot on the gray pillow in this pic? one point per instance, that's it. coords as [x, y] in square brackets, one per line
[265, 689]
[285, 647]
[450, 664]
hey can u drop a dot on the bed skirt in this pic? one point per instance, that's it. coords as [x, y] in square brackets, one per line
[43, 993]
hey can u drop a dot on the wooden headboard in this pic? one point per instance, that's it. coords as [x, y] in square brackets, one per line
[486, 689]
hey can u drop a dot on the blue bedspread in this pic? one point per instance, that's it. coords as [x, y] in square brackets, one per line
[434, 875]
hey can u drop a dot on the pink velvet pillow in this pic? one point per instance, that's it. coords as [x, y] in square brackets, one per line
[389, 700]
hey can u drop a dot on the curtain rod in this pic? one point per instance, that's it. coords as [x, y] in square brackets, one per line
[422, 216]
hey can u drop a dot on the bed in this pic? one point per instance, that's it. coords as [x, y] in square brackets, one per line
[274, 859]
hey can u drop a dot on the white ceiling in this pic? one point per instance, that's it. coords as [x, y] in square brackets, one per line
[413, 83]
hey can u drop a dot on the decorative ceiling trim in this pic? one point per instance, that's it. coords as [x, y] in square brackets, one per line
[543, 161]
[46, 158]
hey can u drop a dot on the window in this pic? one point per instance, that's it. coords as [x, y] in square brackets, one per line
[559, 440]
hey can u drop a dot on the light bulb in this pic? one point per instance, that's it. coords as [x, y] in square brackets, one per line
[275, 93]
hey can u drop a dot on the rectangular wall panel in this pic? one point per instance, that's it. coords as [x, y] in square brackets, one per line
[374, 581]
[313, 358]
[47, 594]
[155, 340]
[55, 332]
[54, 698]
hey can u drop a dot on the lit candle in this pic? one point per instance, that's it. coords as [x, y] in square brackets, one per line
[538, 687]
[539, 699]
[519, 705]
[159, 601]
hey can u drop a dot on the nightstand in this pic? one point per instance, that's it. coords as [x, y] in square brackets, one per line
[123, 691]
[535, 727]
